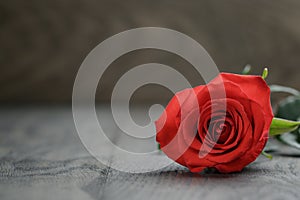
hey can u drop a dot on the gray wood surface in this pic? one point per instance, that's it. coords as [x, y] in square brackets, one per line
[41, 157]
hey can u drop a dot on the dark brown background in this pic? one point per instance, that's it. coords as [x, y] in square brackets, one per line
[42, 43]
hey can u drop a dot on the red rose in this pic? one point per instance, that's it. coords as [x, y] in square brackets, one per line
[223, 124]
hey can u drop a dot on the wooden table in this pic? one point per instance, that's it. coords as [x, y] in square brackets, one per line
[42, 158]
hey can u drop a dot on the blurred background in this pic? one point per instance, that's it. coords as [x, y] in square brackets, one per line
[43, 42]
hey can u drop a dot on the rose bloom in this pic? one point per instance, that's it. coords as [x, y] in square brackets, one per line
[223, 124]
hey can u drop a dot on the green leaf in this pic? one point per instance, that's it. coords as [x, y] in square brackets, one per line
[280, 126]
[289, 109]
[289, 139]
[265, 73]
[279, 88]
[246, 70]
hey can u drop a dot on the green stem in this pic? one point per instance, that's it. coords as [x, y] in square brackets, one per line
[280, 126]
[267, 155]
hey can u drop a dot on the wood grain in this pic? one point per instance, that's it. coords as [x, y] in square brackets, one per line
[41, 157]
